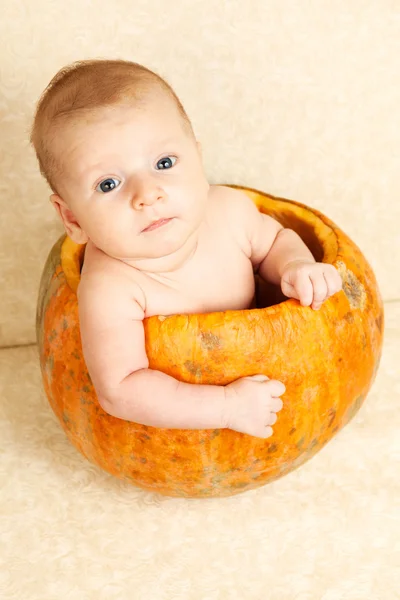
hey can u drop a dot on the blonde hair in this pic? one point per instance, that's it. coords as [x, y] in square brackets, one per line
[87, 86]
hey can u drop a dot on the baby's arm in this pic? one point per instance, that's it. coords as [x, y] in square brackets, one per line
[111, 323]
[272, 247]
[281, 257]
[112, 332]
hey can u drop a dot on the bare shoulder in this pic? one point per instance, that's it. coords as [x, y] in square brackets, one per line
[107, 288]
[233, 202]
[253, 230]
[232, 208]
[111, 325]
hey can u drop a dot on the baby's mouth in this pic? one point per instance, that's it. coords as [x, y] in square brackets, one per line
[156, 225]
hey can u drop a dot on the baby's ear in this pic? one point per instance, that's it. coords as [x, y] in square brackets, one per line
[71, 225]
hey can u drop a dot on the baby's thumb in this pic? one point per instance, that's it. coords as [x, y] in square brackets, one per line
[259, 377]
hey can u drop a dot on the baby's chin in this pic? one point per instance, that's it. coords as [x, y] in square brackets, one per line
[168, 257]
[138, 254]
[159, 245]
[137, 251]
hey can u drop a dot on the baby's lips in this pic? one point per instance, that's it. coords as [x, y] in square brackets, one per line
[156, 223]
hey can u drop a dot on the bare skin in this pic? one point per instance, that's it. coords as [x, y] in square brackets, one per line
[161, 241]
[217, 275]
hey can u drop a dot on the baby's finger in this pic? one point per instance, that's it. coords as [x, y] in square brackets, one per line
[275, 388]
[304, 288]
[316, 305]
[320, 288]
[267, 432]
[258, 377]
[333, 280]
[272, 419]
[288, 290]
[276, 405]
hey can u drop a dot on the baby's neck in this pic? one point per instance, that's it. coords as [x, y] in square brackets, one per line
[170, 263]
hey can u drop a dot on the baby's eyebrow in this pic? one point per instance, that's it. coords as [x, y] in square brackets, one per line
[164, 144]
[95, 170]
[103, 167]
[87, 176]
[165, 141]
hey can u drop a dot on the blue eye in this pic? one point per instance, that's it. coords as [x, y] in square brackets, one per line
[108, 185]
[166, 163]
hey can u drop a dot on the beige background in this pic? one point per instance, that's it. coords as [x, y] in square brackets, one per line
[299, 98]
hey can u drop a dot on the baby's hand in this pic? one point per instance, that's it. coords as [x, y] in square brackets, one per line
[311, 283]
[252, 404]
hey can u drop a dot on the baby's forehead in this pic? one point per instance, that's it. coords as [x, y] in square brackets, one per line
[156, 114]
[105, 134]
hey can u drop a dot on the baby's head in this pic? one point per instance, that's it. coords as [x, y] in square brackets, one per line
[119, 153]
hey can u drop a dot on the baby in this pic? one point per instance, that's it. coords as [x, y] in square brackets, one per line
[119, 153]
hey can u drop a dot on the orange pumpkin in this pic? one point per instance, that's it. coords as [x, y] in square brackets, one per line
[327, 360]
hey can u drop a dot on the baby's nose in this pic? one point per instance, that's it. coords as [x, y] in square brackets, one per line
[146, 193]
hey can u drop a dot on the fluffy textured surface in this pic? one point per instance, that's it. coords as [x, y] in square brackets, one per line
[299, 99]
[328, 531]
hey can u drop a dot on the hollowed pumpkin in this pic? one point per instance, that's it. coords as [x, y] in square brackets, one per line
[327, 360]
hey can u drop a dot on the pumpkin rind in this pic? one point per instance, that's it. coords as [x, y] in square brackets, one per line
[327, 359]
